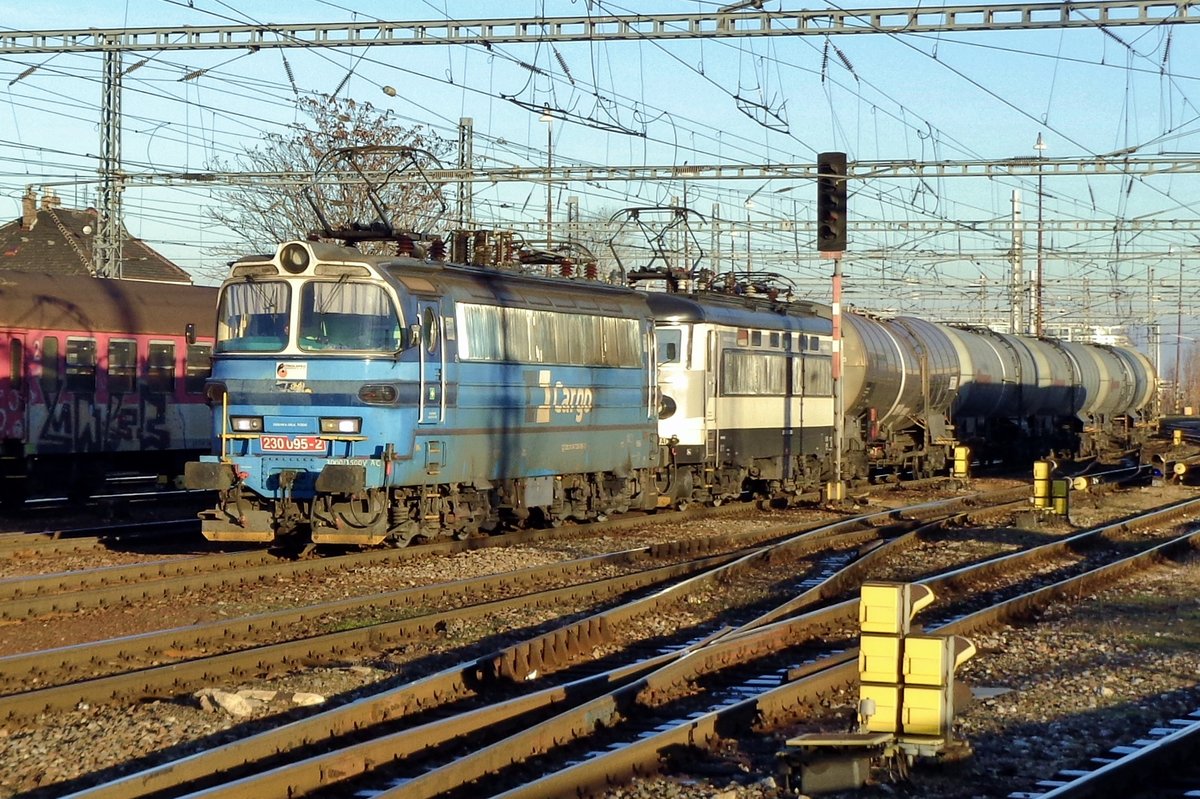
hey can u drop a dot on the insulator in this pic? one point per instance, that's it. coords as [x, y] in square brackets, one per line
[290, 76]
[562, 62]
[565, 268]
[437, 250]
[591, 271]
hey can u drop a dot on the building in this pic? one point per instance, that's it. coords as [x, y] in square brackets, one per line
[51, 240]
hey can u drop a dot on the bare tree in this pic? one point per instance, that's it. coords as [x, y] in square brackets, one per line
[258, 217]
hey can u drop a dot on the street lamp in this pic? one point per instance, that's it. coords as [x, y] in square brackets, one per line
[1040, 146]
[548, 118]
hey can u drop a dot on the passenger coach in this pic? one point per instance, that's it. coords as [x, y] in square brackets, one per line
[100, 376]
[366, 399]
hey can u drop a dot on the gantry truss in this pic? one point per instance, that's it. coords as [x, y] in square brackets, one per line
[608, 28]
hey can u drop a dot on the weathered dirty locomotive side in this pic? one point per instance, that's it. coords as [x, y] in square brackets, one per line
[747, 396]
[364, 399]
[98, 376]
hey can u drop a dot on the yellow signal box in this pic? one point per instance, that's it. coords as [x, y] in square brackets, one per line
[888, 608]
[906, 695]
[927, 704]
[879, 658]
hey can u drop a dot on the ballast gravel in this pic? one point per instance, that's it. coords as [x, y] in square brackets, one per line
[1085, 676]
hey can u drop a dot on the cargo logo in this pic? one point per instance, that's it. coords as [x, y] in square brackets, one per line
[545, 398]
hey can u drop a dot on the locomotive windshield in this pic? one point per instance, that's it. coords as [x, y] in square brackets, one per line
[347, 316]
[253, 317]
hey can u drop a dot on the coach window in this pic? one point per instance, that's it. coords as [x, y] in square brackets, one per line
[160, 367]
[122, 366]
[199, 364]
[253, 317]
[16, 364]
[81, 365]
[49, 379]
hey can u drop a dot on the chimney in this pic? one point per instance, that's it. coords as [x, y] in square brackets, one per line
[50, 200]
[29, 209]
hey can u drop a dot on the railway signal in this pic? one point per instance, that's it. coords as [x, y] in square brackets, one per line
[831, 202]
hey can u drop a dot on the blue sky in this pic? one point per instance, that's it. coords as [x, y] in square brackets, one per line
[881, 97]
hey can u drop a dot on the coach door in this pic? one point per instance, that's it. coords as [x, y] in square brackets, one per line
[433, 373]
[13, 382]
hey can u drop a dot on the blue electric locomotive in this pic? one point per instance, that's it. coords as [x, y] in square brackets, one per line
[368, 399]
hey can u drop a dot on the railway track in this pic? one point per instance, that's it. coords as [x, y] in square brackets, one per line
[1162, 763]
[831, 666]
[153, 663]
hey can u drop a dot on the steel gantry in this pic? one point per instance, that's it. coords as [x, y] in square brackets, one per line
[727, 23]
[610, 28]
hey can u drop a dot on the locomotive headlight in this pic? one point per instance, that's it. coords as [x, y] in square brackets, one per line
[666, 407]
[377, 394]
[341, 425]
[246, 424]
[294, 258]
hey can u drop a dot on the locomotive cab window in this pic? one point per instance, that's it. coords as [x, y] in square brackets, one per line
[253, 317]
[669, 344]
[122, 366]
[81, 365]
[199, 364]
[347, 316]
[160, 367]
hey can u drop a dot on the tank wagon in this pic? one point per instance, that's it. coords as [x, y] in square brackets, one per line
[365, 399]
[100, 376]
[915, 389]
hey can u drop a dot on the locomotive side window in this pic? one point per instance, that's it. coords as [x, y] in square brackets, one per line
[349, 316]
[815, 374]
[253, 317]
[752, 373]
[492, 333]
[122, 366]
[81, 365]
[160, 367]
[199, 364]
[49, 379]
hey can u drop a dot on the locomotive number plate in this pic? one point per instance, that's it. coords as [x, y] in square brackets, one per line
[291, 444]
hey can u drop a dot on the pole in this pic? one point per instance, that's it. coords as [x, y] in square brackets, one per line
[1017, 321]
[549, 185]
[837, 492]
[1040, 146]
[1179, 340]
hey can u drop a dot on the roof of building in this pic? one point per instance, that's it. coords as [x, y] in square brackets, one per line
[53, 240]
